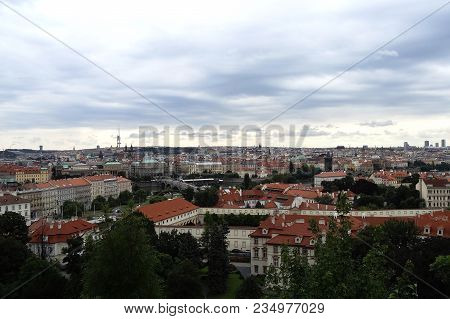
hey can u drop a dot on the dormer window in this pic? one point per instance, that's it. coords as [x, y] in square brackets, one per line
[298, 240]
[321, 221]
[312, 242]
[426, 230]
[265, 231]
[440, 231]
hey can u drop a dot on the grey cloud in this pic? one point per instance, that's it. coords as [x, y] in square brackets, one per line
[377, 123]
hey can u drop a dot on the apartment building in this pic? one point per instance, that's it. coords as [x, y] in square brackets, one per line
[328, 177]
[15, 204]
[435, 191]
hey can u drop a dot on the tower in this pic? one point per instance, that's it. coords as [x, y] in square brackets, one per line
[427, 143]
[118, 139]
[328, 162]
[443, 144]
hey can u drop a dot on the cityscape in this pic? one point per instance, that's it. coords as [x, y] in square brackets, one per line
[227, 151]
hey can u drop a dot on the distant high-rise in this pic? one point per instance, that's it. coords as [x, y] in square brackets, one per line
[427, 143]
[405, 146]
[41, 147]
[443, 144]
[436, 144]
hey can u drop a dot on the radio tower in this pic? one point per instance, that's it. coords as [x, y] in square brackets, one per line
[118, 139]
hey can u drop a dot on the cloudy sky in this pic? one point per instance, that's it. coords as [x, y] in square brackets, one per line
[223, 63]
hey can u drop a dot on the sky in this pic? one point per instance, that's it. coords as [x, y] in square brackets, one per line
[216, 64]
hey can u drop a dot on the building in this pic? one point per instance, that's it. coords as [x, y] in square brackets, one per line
[328, 177]
[171, 212]
[15, 204]
[237, 238]
[427, 143]
[21, 174]
[328, 162]
[207, 167]
[43, 199]
[72, 189]
[443, 144]
[147, 167]
[50, 238]
[435, 192]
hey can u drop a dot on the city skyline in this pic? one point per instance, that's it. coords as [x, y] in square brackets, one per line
[223, 64]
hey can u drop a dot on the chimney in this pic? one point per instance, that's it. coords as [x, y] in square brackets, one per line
[273, 220]
[51, 225]
[59, 225]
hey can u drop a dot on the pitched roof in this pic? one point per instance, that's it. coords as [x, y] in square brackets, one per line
[331, 174]
[166, 209]
[8, 199]
[58, 231]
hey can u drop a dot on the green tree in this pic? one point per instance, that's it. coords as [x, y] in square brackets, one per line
[13, 225]
[188, 194]
[124, 197]
[324, 199]
[215, 244]
[72, 208]
[48, 285]
[291, 167]
[184, 282]
[98, 202]
[247, 183]
[207, 197]
[74, 260]
[13, 255]
[441, 268]
[123, 264]
[250, 289]
[405, 287]
[140, 196]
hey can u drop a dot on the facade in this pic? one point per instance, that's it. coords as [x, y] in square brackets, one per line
[43, 199]
[50, 238]
[21, 174]
[171, 212]
[328, 177]
[238, 237]
[206, 167]
[15, 204]
[147, 167]
[435, 192]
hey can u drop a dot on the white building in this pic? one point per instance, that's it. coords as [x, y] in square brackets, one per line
[435, 192]
[328, 177]
[11, 203]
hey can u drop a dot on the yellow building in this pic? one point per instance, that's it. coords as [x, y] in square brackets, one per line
[32, 175]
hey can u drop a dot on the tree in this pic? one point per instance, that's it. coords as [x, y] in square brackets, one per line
[324, 199]
[124, 197]
[405, 288]
[250, 289]
[215, 244]
[71, 208]
[13, 255]
[188, 194]
[98, 202]
[441, 268]
[74, 260]
[123, 264]
[140, 196]
[48, 285]
[291, 167]
[207, 197]
[184, 282]
[13, 225]
[247, 184]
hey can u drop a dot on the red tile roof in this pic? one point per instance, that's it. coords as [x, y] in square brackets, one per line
[166, 209]
[8, 199]
[331, 174]
[58, 231]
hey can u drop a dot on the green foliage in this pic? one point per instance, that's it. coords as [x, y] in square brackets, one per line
[124, 197]
[188, 194]
[207, 197]
[13, 225]
[250, 289]
[215, 244]
[247, 183]
[123, 264]
[71, 208]
[13, 255]
[441, 268]
[405, 287]
[98, 202]
[140, 196]
[324, 199]
[184, 282]
[48, 285]
[74, 259]
[338, 185]
[156, 199]
[391, 198]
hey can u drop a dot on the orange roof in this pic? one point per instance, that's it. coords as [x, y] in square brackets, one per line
[58, 231]
[303, 193]
[8, 199]
[99, 178]
[70, 182]
[331, 174]
[166, 209]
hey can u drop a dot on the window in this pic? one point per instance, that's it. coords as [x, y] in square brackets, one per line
[264, 269]
[264, 251]
[256, 252]
[275, 249]
[440, 231]
[244, 244]
[275, 261]
[426, 230]
[235, 244]
[255, 241]
[235, 232]
[256, 267]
